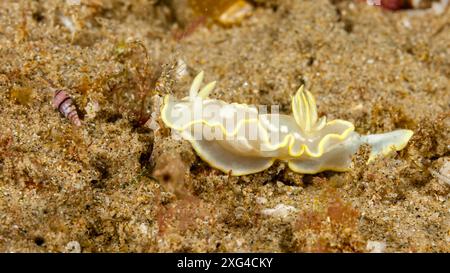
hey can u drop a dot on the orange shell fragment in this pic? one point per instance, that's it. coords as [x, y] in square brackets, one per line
[225, 12]
[235, 13]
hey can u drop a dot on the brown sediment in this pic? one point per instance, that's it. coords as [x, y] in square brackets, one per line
[111, 185]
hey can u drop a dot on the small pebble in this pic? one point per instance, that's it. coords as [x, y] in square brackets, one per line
[73, 247]
[261, 200]
[280, 210]
[376, 246]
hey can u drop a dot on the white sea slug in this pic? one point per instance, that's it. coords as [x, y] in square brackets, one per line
[238, 139]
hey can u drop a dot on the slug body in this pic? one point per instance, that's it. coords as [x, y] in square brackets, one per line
[240, 139]
[64, 103]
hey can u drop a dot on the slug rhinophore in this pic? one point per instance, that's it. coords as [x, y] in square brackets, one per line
[240, 139]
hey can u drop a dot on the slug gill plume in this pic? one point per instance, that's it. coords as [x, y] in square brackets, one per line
[240, 139]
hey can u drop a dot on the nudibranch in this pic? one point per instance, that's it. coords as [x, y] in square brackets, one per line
[242, 139]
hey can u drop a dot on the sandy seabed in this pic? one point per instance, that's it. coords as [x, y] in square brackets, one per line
[113, 184]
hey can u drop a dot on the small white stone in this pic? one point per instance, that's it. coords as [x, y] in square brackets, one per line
[73, 2]
[358, 107]
[439, 7]
[152, 123]
[261, 200]
[280, 210]
[444, 173]
[143, 228]
[78, 185]
[73, 247]
[445, 169]
[240, 242]
[376, 246]
[68, 23]
[406, 23]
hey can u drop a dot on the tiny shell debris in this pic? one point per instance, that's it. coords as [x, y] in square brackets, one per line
[181, 69]
[426, 4]
[443, 174]
[261, 200]
[143, 228]
[152, 122]
[73, 247]
[64, 103]
[445, 170]
[439, 7]
[421, 7]
[92, 107]
[376, 246]
[280, 210]
[68, 23]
